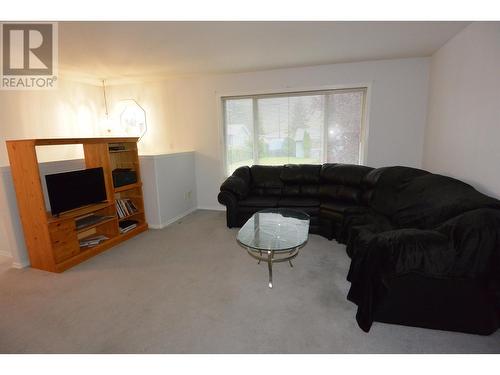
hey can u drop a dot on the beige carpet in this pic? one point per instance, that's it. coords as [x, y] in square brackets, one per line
[5, 263]
[189, 288]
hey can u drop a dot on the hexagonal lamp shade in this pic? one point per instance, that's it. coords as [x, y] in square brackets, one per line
[133, 119]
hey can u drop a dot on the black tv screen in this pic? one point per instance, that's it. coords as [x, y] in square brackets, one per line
[70, 190]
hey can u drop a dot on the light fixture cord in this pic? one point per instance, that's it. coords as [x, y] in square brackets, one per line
[105, 99]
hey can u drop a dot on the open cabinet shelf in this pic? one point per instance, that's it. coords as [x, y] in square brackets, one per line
[95, 225]
[128, 187]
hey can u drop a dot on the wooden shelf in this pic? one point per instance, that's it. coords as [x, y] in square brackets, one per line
[128, 187]
[120, 151]
[78, 212]
[129, 216]
[85, 248]
[139, 228]
[90, 226]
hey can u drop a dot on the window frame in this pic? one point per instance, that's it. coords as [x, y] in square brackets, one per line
[221, 113]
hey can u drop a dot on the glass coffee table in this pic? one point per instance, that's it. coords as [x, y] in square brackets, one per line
[275, 235]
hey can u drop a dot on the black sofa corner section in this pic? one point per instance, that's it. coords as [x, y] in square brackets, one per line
[424, 248]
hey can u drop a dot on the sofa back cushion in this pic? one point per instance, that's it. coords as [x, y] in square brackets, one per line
[381, 186]
[431, 199]
[342, 182]
[266, 180]
[244, 174]
[300, 180]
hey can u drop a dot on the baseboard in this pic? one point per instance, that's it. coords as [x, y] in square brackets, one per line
[4, 253]
[173, 220]
[185, 213]
[20, 265]
[212, 208]
[154, 226]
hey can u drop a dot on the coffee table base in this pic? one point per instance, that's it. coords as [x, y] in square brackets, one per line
[273, 256]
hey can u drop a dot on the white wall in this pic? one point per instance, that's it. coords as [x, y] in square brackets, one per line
[463, 131]
[397, 110]
[11, 233]
[72, 110]
[169, 187]
[164, 134]
[77, 109]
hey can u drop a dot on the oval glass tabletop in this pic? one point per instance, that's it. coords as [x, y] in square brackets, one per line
[277, 229]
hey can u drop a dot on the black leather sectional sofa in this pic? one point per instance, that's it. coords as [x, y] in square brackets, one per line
[424, 248]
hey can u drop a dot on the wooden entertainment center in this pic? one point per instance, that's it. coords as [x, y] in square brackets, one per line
[54, 242]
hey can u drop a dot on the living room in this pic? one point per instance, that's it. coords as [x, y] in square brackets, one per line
[250, 187]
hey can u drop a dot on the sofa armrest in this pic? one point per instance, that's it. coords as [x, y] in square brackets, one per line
[229, 199]
[400, 251]
[415, 250]
[381, 256]
[235, 185]
[475, 237]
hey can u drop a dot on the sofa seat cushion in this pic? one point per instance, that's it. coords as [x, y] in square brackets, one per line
[337, 206]
[333, 216]
[259, 201]
[298, 202]
[305, 190]
[311, 211]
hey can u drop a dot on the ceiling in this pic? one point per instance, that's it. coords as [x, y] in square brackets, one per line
[128, 50]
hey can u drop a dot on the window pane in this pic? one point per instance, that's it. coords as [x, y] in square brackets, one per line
[289, 129]
[344, 116]
[306, 125]
[239, 133]
[312, 128]
[273, 131]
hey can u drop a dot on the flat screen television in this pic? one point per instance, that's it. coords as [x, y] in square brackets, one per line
[70, 190]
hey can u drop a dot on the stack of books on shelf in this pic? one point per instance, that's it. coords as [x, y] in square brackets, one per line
[92, 241]
[125, 207]
[127, 225]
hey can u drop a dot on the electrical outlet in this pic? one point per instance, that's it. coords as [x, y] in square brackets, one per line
[188, 195]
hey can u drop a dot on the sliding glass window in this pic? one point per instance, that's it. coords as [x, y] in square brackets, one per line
[302, 128]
